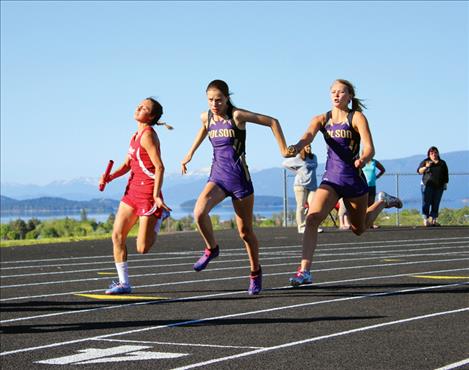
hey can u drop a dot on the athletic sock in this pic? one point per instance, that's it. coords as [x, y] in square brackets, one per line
[256, 273]
[123, 272]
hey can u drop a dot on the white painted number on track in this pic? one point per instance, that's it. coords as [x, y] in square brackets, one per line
[114, 354]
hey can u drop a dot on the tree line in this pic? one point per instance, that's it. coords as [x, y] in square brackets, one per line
[36, 229]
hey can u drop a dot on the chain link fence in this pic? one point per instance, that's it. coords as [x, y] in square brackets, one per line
[407, 186]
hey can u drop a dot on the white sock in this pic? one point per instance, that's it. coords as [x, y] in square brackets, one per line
[123, 272]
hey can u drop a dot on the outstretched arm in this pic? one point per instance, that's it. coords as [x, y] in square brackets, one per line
[242, 116]
[307, 137]
[201, 135]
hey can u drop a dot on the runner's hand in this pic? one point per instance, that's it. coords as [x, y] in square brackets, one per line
[185, 161]
[161, 204]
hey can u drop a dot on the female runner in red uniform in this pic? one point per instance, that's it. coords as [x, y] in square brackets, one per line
[142, 200]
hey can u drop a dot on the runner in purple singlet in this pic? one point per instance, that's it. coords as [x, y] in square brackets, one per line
[225, 125]
[343, 129]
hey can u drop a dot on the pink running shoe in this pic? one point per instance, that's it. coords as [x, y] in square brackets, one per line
[300, 278]
[209, 254]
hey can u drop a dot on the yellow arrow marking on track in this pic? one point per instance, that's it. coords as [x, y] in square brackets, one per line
[124, 297]
[441, 277]
[107, 273]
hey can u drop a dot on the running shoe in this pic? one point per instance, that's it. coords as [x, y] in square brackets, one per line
[301, 277]
[209, 254]
[389, 200]
[255, 282]
[119, 288]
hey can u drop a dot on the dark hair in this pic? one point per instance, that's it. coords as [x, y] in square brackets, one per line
[357, 104]
[157, 111]
[304, 154]
[222, 86]
[433, 149]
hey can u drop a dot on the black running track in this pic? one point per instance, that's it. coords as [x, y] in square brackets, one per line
[394, 298]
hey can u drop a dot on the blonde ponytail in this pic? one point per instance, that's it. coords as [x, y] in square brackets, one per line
[357, 104]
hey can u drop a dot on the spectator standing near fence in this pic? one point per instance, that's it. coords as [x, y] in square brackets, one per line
[304, 166]
[434, 181]
[371, 174]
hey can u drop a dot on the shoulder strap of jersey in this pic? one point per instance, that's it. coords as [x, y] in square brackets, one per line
[209, 117]
[323, 125]
[350, 117]
[148, 128]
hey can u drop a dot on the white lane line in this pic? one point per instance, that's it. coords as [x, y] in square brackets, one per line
[319, 254]
[282, 256]
[198, 297]
[240, 314]
[176, 344]
[322, 337]
[227, 253]
[454, 365]
[192, 253]
[233, 277]
[61, 282]
[107, 262]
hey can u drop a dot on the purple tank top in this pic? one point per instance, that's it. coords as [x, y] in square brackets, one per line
[343, 145]
[229, 169]
[227, 139]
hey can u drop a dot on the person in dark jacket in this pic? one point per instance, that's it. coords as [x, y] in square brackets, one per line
[434, 182]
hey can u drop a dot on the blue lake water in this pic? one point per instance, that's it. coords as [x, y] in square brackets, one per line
[225, 213]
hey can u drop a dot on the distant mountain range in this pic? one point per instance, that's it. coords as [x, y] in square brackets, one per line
[178, 189]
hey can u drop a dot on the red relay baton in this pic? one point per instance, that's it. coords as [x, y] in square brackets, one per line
[106, 174]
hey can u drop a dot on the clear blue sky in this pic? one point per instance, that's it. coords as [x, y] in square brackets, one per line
[73, 72]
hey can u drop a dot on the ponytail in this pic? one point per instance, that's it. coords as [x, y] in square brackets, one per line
[357, 104]
[157, 111]
[169, 127]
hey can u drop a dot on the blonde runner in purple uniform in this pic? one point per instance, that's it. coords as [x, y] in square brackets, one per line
[225, 125]
[343, 129]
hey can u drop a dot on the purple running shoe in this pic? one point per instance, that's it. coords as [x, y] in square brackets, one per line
[255, 282]
[209, 254]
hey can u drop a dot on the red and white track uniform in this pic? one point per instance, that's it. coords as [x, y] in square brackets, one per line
[139, 191]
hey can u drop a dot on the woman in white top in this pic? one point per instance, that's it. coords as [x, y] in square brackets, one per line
[305, 184]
